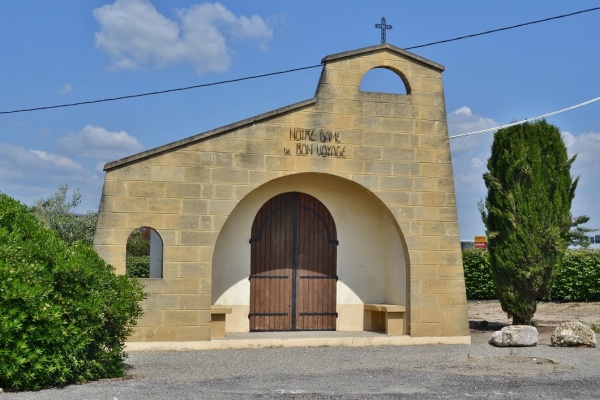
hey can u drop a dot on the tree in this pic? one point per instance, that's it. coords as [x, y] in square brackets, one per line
[580, 234]
[527, 214]
[56, 212]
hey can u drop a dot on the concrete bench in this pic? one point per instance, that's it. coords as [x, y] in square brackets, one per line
[388, 318]
[217, 321]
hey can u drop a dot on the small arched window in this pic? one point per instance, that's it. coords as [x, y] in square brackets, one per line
[384, 80]
[144, 253]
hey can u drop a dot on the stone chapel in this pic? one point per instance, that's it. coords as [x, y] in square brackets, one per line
[335, 213]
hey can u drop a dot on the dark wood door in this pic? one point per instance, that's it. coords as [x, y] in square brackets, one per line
[293, 265]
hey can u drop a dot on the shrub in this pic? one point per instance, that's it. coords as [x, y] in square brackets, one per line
[137, 266]
[578, 278]
[478, 275]
[65, 314]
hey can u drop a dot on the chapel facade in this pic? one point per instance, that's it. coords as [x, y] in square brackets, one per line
[335, 213]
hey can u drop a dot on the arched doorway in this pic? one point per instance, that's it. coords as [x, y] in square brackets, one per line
[293, 268]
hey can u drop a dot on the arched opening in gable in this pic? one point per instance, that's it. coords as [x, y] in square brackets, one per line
[385, 80]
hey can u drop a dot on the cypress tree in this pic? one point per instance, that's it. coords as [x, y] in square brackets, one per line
[527, 214]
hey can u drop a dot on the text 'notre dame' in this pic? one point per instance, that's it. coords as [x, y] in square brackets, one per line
[316, 142]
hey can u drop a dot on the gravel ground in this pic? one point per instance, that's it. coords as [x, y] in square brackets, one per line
[416, 372]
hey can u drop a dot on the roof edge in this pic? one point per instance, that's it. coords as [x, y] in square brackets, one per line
[379, 47]
[206, 135]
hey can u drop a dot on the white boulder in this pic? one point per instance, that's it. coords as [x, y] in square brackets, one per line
[573, 334]
[515, 336]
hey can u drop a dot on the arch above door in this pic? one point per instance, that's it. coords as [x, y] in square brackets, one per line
[293, 271]
[372, 260]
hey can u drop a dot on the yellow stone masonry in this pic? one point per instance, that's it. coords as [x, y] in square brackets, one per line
[393, 147]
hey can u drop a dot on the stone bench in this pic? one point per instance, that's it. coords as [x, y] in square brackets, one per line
[217, 321]
[388, 318]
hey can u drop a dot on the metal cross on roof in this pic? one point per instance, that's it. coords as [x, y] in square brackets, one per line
[383, 28]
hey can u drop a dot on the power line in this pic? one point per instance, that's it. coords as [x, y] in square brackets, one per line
[159, 91]
[585, 103]
[504, 29]
[285, 71]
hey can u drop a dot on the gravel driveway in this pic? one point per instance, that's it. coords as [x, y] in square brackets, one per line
[416, 372]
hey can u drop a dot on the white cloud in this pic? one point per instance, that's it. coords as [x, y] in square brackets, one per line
[18, 161]
[135, 34]
[586, 143]
[469, 153]
[568, 139]
[469, 163]
[98, 143]
[587, 147]
[464, 121]
[66, 88]
[464, 110]
[54, 160]
[476, 162]
[587, 167]
[29, 175]
[22, 166]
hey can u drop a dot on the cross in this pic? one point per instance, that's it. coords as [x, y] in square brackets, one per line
[383, 28]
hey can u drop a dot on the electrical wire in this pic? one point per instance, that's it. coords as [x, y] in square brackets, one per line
[285, 71]
[503, 29]
[585, 103]
[159, 91]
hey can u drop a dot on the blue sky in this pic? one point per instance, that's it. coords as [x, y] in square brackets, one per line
[68, 51]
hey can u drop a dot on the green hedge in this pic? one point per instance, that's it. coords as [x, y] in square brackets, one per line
[137, 266]
[579, 277]
[478, 275]
[577, 280]
[65, 314]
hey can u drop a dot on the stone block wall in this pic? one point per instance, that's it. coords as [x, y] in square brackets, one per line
[394, 146]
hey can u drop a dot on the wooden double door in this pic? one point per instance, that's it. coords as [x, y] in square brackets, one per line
[293, 275]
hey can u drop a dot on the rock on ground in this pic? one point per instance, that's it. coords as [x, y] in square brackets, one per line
[515, 336]
[573, 334]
